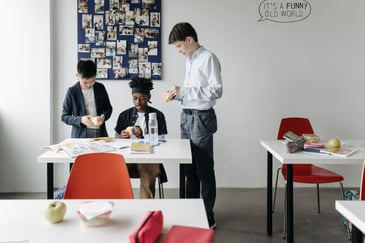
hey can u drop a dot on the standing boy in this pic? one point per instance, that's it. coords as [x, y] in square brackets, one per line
[86, 106]
[201, 88]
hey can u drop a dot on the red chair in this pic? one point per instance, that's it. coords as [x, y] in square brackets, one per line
[304, 173]
[362, 185]
[99, 176]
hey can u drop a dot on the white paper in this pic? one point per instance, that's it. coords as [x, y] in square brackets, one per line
[87, 146]
[121, 143]
[95, 208]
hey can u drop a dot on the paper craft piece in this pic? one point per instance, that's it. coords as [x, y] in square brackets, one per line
[59, 146]
[166, 97]
[141, 148]
[105, 139]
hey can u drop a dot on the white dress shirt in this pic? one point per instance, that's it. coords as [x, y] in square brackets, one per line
[203, 81]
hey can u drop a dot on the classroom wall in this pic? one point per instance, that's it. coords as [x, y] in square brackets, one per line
[25, 94]
[312, 68]
[271, 69]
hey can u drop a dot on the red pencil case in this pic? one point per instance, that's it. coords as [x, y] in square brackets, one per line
[149, 229]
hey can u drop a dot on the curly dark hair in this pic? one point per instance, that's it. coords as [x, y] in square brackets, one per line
[141, 83]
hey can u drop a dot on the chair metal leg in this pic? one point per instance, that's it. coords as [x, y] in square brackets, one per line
[162, 192]
[276, 187]
[342, 191]
[349, 236]
[318, 202]
[160, 188]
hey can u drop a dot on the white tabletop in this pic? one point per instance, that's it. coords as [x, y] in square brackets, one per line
[353, 211]
[24, 220]
[278, 149]
[172, 151]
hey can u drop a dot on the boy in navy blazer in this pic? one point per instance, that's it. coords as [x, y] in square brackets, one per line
[86, 106]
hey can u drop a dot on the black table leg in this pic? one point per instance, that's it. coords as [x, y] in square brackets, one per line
[290, 204]
[356, 235]
[182, 182]
[49, 180]
[269, 195]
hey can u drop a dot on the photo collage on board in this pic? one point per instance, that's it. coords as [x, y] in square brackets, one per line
[123, 37]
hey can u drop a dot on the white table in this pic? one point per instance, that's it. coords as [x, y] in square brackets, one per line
[277, 149]
[354, 212]
[24, 220]
[176, 151]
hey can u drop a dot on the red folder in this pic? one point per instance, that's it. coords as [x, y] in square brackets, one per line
[188, 234]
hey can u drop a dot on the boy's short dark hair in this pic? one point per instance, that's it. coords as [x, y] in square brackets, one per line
[182, 30]
[86, 68]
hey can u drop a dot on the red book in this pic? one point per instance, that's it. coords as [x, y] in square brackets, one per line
[189, 234]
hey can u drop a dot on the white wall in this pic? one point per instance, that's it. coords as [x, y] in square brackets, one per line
[310, 68]
[24, 94]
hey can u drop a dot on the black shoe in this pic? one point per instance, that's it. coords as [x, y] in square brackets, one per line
[212, 223]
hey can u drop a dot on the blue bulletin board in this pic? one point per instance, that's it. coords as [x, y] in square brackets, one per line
[123, 37]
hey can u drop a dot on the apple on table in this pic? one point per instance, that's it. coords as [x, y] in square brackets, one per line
[55, 212]
[334, 144]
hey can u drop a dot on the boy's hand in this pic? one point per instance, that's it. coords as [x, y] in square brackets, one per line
[124, 134]
[86, 120]
[171, 94]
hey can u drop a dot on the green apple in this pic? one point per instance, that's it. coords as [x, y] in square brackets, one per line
[334, 143]
[55, 212]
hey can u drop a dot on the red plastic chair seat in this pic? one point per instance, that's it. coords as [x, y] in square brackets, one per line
[312, 174]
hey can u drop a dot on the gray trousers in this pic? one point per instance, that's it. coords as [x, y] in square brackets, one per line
[199, 127]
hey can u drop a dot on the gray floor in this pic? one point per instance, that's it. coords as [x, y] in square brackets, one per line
[241, 215]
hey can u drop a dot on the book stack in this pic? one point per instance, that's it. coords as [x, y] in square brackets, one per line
[290, 136]
[341, 152]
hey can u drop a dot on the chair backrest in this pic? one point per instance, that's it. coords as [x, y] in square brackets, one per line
[298, 125]
[99, 176]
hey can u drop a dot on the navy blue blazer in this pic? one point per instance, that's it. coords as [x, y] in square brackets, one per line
[74, 108]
